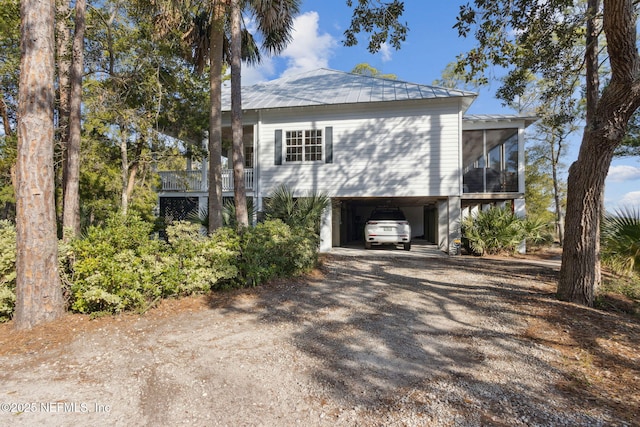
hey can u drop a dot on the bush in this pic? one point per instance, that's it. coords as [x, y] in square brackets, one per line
[492, 231]
[286, 244]
[273, 249]
[301, 212]
[119, 267]
[116, 267]
[620, 241]
[629, 286]
[7, 269]
[500, 230]
[207, 262]
[538, 231]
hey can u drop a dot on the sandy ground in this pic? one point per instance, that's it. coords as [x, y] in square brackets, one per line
[387, 338]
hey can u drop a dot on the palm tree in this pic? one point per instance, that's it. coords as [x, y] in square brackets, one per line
[216, 53]
[304, 212]
[204, 37]
[239, 191]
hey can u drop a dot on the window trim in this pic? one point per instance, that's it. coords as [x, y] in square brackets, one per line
[306, 134]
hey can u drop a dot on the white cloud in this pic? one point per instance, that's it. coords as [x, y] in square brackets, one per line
[630, 199]
[385, 52]
[308, 49]
[259, 73]
[623, 173]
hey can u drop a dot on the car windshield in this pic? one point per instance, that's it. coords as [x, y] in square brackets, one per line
[393, 215]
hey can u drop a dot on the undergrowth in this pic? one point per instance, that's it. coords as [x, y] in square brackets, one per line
[121, 267]
[620, 293]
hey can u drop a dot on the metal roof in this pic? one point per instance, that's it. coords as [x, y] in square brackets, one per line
[489, 118]
[331, 87]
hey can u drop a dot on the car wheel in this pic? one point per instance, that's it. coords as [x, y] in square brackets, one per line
[367, 245]
[407, 246]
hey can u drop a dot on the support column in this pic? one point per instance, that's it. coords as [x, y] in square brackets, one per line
[521, 160]
[519, 209]
[326, 229]
[449, 225]
[443, 225]
[203, 203]
[335, 224]
[455, 225]
[203, 207]
[204, 177]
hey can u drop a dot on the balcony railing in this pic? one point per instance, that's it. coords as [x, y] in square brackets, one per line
[481, 180]
[193, 181]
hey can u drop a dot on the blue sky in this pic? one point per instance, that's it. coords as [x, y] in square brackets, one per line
[431, 44]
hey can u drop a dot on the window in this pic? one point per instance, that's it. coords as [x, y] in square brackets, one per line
[303, 145]
[490, 159]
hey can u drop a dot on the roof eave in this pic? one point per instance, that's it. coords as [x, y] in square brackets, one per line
[500, 118]
[467, 100]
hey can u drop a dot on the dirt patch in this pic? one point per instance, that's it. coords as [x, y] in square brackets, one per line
[393, 340]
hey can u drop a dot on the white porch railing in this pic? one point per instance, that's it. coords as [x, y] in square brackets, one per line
[192, 181]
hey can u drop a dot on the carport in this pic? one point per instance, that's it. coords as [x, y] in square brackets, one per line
[350, 214]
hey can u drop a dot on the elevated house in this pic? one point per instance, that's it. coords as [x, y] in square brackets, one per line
[366, 142]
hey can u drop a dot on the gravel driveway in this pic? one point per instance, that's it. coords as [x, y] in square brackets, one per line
[384, 338]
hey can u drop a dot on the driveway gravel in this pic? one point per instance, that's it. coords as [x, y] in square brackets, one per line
[382, 338]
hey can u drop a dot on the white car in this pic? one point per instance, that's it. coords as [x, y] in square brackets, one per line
[387, 226]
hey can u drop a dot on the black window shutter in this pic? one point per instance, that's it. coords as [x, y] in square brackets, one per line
[278, 147]
[328, 144]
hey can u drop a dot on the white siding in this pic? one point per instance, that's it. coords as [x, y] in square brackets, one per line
[379, 150]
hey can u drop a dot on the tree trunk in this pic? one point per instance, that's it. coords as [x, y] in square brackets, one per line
[607, 118]
[580, 273]
[38, 289]
[4, 114]
[71, 206]
[63, 41]
[63, 57]
[134, 167]
[239, 191]
[124, 171]
[555, 158]
[215, 116]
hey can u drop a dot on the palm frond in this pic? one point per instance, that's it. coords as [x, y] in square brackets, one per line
[305, 212]
[620, 240]
[229, 212]
[493, 231]
[274, 19]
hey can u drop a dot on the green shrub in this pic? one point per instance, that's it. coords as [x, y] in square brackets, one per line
[499, 230]
[620, 241]
[538, 231]
[7, 269]
[116, 267]
[297, 212]
[492, 231]
[119, 267]
[273, 249]
[207, 262]
[629, 286]
[229, 212]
